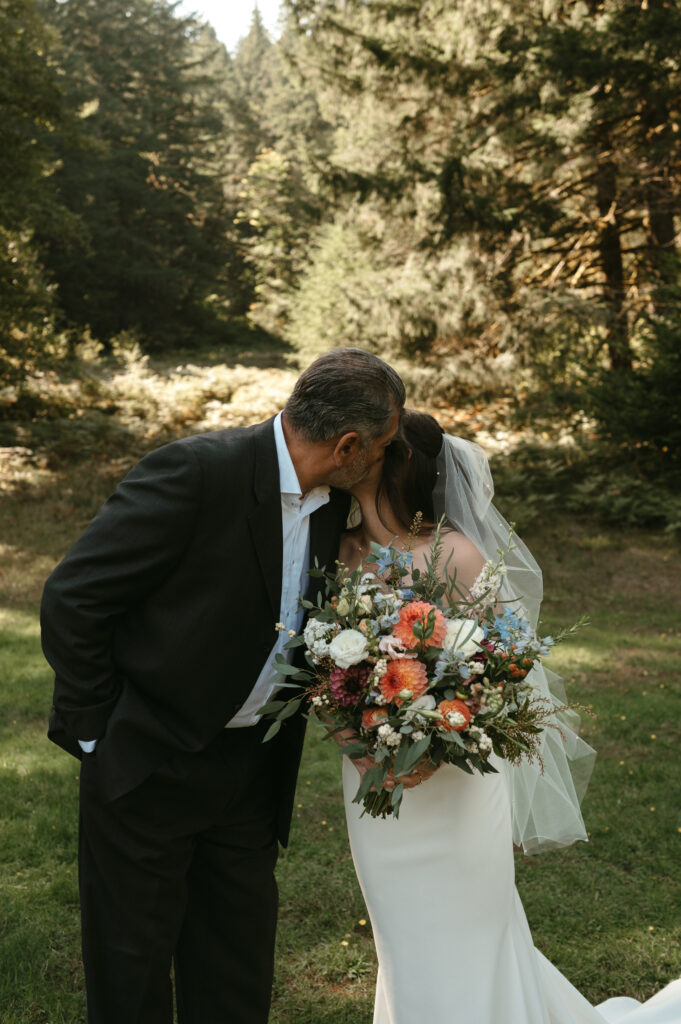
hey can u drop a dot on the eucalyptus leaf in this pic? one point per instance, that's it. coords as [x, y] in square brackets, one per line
[290, 709]
[372, 777]
[284, 669]
[332, 732]
[415, 752]
[401, 759]
[274, 705]
[272, 731]
[295, 641]
[453, 737]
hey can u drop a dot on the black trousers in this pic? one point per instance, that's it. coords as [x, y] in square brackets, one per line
[182, 869]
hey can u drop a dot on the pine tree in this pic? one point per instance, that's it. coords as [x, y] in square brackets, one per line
[31, 110]
[153, 217]
[541, 138]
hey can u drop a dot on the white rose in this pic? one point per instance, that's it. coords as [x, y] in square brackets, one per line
[464, 635]
[343, 607]
[348, 648]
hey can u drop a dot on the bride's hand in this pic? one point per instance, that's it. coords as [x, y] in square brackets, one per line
[419, 773]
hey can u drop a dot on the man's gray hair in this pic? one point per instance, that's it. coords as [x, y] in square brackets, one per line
[345, 390]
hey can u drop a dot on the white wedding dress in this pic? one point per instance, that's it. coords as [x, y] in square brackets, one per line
[453, 942]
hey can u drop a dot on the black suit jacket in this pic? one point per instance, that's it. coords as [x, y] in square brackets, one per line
[159, 619]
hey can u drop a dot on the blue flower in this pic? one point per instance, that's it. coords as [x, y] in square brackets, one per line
[388, 557]
[451, 662]
[545, 645]
[386, 621]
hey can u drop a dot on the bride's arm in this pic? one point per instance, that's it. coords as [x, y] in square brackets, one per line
[420, 772]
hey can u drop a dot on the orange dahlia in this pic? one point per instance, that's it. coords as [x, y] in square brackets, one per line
[403, 674]
[414, 612]
[453, 707]
[373, 717]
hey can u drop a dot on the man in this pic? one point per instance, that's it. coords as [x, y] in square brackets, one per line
[160, 625]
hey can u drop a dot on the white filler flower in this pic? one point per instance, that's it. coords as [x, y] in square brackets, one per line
[348, 648]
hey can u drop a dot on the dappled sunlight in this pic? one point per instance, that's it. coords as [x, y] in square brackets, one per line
[572, 655]
[22, 623]
[33, 753]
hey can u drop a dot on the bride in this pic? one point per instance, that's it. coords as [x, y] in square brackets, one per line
[452, 939]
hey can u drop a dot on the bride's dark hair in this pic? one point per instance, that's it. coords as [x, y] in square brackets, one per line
[409, 469]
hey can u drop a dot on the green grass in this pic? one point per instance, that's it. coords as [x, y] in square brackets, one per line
[606, 913]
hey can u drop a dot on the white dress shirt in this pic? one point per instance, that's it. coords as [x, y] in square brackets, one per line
[296, 510]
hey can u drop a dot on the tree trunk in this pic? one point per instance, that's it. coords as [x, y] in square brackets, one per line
[611, 261]
[659, 191]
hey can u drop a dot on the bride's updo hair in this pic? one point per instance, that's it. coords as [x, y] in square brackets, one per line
[409, 469]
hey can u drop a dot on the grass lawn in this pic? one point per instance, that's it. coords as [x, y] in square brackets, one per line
[606, 913]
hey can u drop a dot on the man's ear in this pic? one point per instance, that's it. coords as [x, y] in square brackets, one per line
[346, 448]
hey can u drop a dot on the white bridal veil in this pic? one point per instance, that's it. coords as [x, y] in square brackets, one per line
[546, 794]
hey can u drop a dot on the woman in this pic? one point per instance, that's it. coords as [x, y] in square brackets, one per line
[452, 938]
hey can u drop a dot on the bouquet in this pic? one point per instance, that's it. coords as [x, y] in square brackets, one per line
[418, 668]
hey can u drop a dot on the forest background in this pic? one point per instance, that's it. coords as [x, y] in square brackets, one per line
[484, 193]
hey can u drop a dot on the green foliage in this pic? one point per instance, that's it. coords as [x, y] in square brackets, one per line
[27, 337]
[641, 407]
[125, 404]
[139, 177]
[31, 100]
[501, 176]
[616, 485]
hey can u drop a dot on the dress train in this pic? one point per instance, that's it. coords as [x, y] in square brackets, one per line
[452, 938]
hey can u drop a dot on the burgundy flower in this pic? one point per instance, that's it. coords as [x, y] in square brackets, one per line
[482, 655]
[347, 684]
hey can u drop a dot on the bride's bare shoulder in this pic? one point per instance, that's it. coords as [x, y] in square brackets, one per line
[463, 555]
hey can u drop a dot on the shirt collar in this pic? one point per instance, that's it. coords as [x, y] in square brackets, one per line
[288, 478]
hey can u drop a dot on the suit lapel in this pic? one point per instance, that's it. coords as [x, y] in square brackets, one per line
[265, 518]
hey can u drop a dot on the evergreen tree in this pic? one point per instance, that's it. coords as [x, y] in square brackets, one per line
[542, 138]
[281, 196]
[154, 241]
[31, 111]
